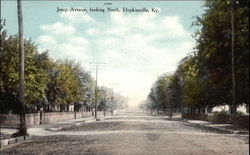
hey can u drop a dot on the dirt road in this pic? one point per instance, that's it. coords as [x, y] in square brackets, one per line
[135, 134]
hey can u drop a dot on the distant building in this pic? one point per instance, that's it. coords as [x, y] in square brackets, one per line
[241, 108]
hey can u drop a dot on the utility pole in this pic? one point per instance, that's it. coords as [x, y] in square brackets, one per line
[234, 107]
[112, 98]
[105, 100]
[97, 66]
[96, 75]
[21, 101]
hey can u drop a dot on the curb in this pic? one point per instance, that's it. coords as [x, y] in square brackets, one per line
[6, 142]
[221, 130]
[75, 124]
[217, 129]
[66, 126]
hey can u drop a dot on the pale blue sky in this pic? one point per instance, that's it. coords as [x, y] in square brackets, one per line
[37, 13]
[136, 47]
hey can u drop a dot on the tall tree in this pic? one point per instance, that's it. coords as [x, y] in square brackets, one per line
[191, 87]
[36, 76]
[214, 44]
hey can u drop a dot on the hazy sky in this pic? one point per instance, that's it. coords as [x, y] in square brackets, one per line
[136, 47]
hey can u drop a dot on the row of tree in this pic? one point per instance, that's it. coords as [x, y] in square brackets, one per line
[49, 84]
[203, 79]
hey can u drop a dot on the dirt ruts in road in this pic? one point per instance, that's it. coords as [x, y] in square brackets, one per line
[134, 134]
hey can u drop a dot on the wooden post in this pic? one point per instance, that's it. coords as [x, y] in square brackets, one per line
[22, 129]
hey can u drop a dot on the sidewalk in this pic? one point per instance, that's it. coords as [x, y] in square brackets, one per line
[44, 129]
[217, 127]
[223, 128]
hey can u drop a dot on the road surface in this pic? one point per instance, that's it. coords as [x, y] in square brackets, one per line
[134, 134]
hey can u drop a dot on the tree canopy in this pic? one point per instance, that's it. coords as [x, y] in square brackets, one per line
[48, 82]
[204, 77]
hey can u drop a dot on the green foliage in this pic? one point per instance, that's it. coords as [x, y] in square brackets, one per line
[68, 82]
[35, 75]
[62, 82]
[214, 50]
[203, 78]
[191, 86]
[48, 83]
[165, 93]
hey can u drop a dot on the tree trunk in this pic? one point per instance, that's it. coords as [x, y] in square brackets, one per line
[61, 108]
[171, 112]
[22, 129]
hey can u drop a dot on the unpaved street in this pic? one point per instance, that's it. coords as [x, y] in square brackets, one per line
[135, 134]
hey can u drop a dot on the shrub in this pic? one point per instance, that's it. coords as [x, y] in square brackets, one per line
[222, 112]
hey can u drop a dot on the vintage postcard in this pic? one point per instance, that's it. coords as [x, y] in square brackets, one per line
[124, 77]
